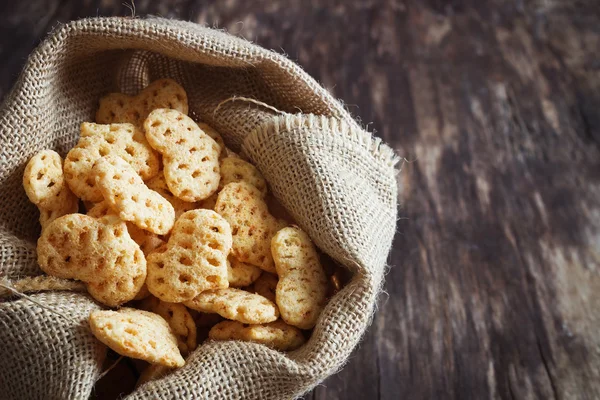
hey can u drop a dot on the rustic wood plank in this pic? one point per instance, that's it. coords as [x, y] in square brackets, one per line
[494, 287]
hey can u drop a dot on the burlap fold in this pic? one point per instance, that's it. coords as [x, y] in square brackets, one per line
[336, 180]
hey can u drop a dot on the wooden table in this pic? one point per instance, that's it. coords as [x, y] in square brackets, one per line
[494, 285]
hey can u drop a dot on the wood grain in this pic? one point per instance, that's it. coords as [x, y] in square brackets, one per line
[494, 285]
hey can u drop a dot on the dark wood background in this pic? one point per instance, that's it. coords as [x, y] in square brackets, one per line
[494, 285]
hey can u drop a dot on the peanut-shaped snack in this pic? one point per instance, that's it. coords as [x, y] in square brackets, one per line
[137, 334]
[147, 241]
[302, 285]
[98, 252]
[216, 137]
[123, 140]
[242, 205]
[162, 93]
[179, 318]
[159, 185]
[190, 156]
[265, 285]
[43, 179]
[235, 304]
[193, 260]
[125, 192]
[241, 274]
[277, 335]
[44, 184]
[235, 169]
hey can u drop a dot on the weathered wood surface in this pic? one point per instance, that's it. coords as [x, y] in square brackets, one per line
[494, 289]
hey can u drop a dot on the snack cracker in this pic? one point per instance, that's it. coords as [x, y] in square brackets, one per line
[122, 140]
[252, 225]
[234, 169]
[125, 192]
[302, 285]
[241, 274]
[193, 260]
[190, 156]
[45, 186]
[179, 319]
[98, 252]
[277, 335]
[265, 285]
[162, 93]
[137, 334]
[235, 304]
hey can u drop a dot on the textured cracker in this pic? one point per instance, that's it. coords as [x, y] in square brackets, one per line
[68, 204]
[162, 93]
[137, 334]
[277, 335]
[190, 156]
[265, 285]
[98, 252]
[45, 186]
[125, 192]
[252, 225]
[159, 185]
[237, 170]
[302, 286]
[179, 318]
[235, 304]
[193, 260]
[147, 241]
[216, 137]
[123, 140]
[241, 274]
[43, 179]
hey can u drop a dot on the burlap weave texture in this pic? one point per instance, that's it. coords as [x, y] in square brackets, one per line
[336, 180]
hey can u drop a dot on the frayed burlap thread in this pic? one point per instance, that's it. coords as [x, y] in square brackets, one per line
[337, 181]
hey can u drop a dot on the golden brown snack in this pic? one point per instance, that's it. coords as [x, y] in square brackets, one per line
[125, 192]
[45, 186]
[98, 252]
[179, 318]
[137, 334]
[252, 226]
[235, 304]
[122, 140]
[162, 93]
[159, 185]
[193, 260]
[302, 286]
[216, 137]
[265, 285]
[190, 156]
[70, 205]
[43, 179]
[277, 335]
[234, 169]
[147, 241]
[241, 274]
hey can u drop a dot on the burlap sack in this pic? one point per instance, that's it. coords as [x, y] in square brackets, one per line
[336, 180]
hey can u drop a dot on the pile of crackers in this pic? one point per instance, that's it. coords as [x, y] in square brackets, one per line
[176, 231]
